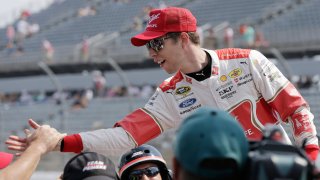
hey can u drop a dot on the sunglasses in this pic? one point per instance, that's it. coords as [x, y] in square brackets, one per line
[157, 44]
[137, 174]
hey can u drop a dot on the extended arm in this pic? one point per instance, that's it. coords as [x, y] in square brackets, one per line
[41, 141]
[23, 167]
[134, 129]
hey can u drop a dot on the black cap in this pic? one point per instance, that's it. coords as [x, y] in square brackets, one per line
[89, 166]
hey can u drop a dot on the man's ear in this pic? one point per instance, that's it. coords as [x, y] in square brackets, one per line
[184, 38]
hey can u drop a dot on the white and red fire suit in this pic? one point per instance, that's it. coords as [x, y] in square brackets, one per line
[243, 82]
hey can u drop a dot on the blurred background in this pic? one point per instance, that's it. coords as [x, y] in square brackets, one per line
[70, 63]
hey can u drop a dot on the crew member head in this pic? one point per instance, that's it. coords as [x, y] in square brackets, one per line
[209, 144]
[142, 163]
[89, 166]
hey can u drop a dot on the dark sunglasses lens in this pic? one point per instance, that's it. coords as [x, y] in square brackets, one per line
[155, 44]
[136, 174]
[148, 45]
[150, 172]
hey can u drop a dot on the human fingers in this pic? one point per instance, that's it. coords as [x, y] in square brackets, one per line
[15, 143]
[17, 138]
[16, 146]
[33, 124]
[27, 132]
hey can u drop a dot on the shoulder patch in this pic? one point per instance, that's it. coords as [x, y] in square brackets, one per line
[232, 53]
[171, 82]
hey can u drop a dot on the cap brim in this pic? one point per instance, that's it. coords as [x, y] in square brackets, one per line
[6, 159]
[142, 38]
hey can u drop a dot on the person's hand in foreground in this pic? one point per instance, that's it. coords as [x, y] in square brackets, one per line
[44, 137]
[37, 143]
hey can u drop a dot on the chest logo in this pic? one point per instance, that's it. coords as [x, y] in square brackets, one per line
[235, 73]
[223, 78]
[183, 90]
[187, 103]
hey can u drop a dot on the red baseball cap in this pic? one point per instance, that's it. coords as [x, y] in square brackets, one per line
[5, 159]
[162, 21]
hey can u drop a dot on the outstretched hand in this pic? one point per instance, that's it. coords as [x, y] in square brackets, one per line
[17, 143]
[45, 137]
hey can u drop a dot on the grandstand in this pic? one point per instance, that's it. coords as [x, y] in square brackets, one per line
[282, 22]
[291, 27]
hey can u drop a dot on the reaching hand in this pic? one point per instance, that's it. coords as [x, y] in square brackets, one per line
[44, 137]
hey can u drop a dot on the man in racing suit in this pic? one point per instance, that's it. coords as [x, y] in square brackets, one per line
[241, 81]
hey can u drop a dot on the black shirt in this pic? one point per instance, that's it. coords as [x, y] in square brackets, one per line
[203, 73]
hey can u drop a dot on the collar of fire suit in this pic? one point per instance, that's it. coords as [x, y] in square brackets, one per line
[203, 73]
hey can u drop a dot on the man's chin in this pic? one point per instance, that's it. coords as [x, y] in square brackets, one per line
[170, 72]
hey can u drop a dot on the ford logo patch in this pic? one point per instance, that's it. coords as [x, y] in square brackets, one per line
[187, 103]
